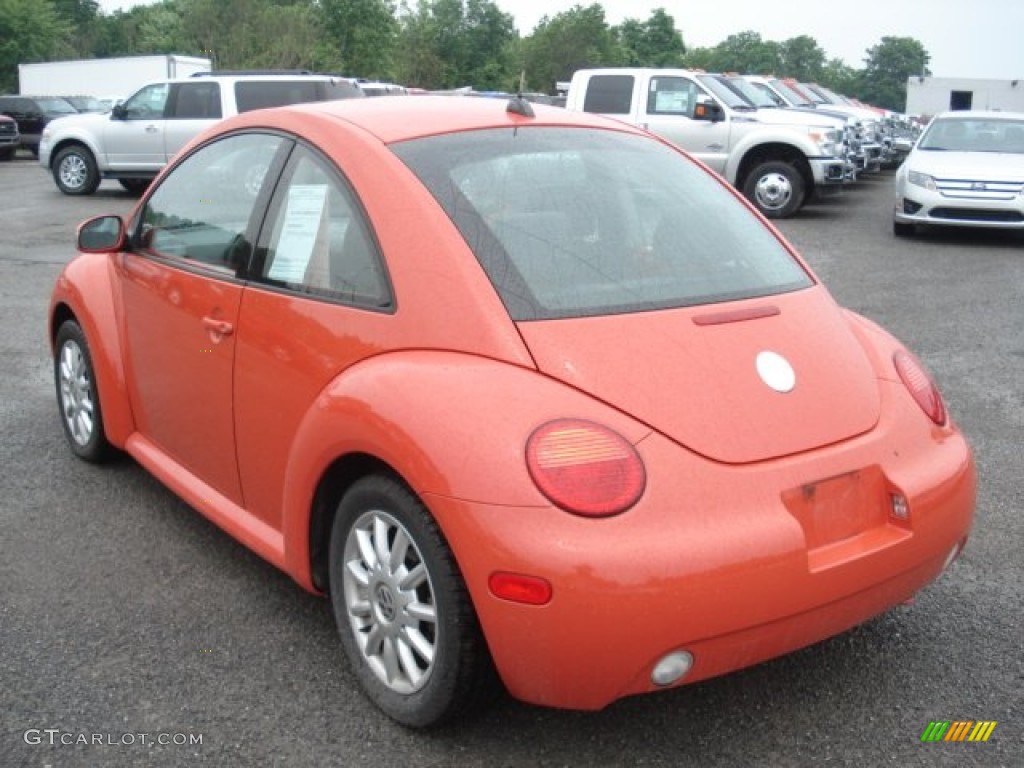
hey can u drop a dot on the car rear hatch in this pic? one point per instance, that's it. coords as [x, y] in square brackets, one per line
[739, 382]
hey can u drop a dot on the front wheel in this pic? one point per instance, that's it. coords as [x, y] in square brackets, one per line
[74, 170]
[776, 188]
[77, 396]
[406, 621]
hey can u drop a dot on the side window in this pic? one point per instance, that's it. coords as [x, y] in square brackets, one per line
[195, 101]
[200, 212]
[262, 94]
[147, 103]
[671, 96]
[609, 94]
[317, 240]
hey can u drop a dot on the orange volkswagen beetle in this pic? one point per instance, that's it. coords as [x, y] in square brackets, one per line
[531, 395]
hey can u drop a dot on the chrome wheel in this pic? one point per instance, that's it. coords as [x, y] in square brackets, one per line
[773, 192]
[390, 602]
[76, 393]
[73, 171]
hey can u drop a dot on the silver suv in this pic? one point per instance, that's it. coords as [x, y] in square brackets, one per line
[134, 141]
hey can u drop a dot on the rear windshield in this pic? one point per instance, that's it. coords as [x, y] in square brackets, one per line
[574, 222]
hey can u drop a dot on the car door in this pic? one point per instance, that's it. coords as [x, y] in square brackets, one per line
[181, 289]
[192, 107]
[669, 113]
[319, 302]
[134, 135]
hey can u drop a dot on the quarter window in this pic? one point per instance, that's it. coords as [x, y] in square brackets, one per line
[200, 212]
[317, 240]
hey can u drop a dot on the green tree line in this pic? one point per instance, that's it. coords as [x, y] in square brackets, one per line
[432, 44]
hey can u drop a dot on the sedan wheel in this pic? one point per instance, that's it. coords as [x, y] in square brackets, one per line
[76, 394]
[405, 619]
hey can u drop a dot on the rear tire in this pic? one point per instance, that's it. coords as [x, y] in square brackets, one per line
[75, 172]
[134, 186]
[6, 154]
[776, 189]
[406, 621]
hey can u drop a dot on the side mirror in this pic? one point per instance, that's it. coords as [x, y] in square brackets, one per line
[101, 234]
[709, 111]
[118, 112]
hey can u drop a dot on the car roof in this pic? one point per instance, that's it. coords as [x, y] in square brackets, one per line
[399, 118]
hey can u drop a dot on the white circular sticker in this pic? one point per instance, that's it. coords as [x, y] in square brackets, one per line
[775, 371]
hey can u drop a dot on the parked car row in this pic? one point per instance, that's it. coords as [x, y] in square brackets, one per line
[33, 114]
[779, 153]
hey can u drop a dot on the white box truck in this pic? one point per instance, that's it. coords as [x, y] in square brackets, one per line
[116, 77]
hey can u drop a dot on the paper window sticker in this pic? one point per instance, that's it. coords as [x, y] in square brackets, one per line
[302, 230]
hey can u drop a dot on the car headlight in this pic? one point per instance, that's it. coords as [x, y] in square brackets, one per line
[922, 180]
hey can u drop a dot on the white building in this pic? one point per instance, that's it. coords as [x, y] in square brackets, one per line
[930, 95]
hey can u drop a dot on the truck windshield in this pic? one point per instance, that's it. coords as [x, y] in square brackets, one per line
[752, 93]
[794, 98]
[578, 222]
[721, 89]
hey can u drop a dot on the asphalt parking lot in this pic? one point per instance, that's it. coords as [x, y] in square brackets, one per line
[127, 619]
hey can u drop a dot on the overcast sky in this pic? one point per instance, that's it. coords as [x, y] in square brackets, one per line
[965, 38]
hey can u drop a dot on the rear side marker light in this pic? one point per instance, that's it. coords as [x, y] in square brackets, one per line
[517, 588]
[916, 379]
[585, 468]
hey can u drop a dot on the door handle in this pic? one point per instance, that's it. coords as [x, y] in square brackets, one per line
[219, 327]
[151, 129]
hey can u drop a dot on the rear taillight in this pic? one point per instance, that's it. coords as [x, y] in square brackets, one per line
[916, 379]
[585, 468]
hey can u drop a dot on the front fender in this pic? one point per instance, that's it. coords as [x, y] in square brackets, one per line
[450, 424]
[87, 289]
[775, 143]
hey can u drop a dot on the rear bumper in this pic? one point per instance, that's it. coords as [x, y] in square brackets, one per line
[721, 561]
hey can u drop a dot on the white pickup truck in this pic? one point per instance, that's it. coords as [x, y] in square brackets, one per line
[776, 165]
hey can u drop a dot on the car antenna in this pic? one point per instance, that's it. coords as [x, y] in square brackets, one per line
[517, 105]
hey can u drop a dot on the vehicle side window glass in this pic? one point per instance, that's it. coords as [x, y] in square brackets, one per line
[254, 94]
[148, 103]
[200, 212]
[195, 101]
[671, 96]
[609, 94]
[317, 240]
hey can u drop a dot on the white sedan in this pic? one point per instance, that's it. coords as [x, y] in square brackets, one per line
[967, 170]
